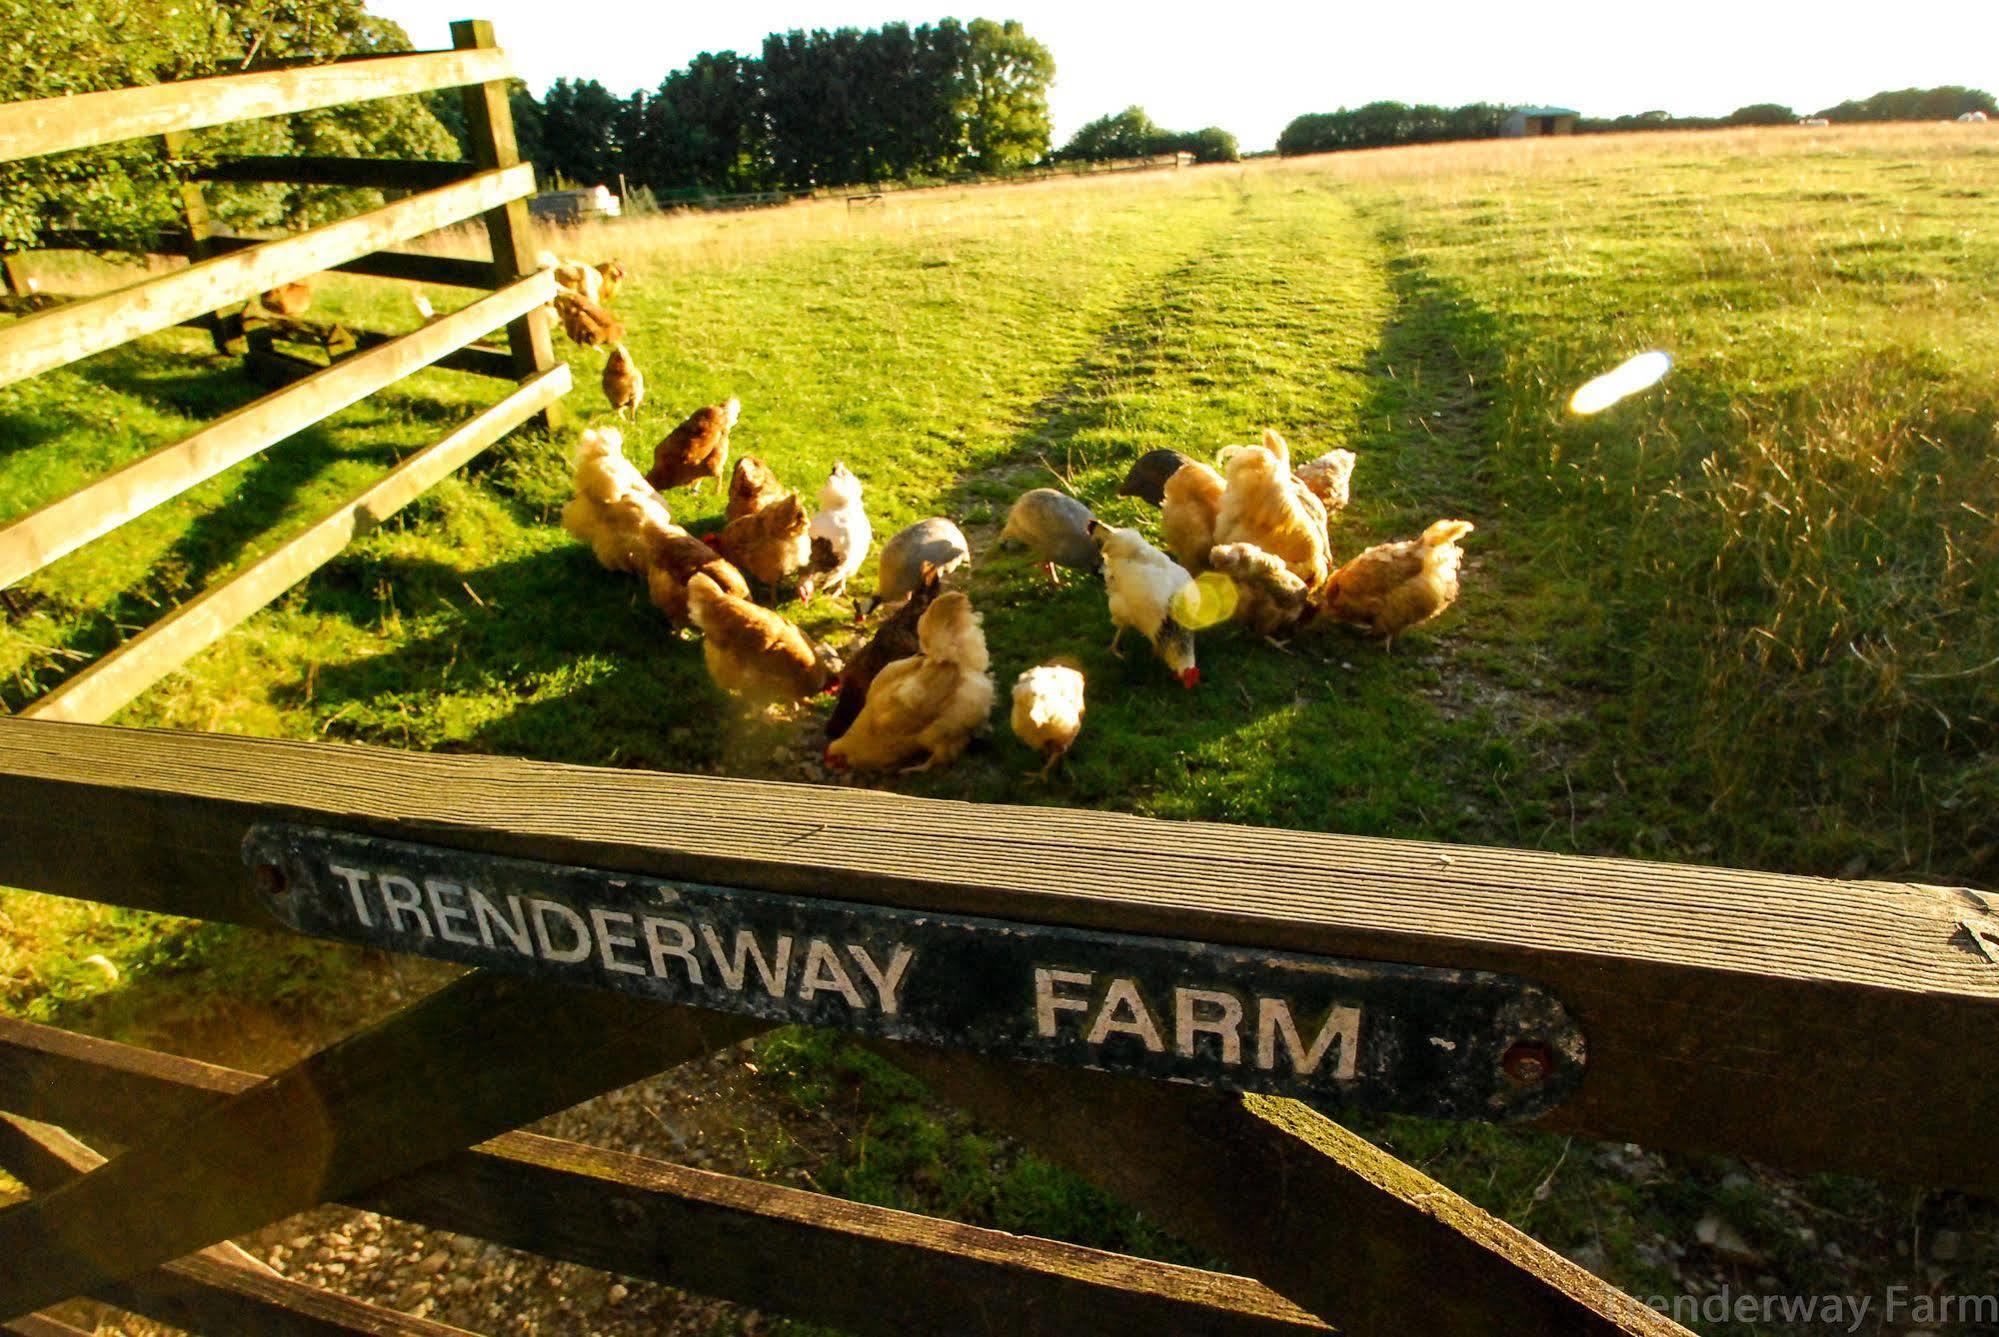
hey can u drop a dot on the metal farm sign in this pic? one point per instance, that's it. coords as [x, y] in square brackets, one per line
[1338, 1033]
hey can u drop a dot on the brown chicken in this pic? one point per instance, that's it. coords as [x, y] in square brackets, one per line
[697, 450]
[1264, 505]
[287, 299]
[1392, 587]
[771, 544]
[1188, 509]
[1330, 478]
[752, 487]
[611, 276]
[1269, 599]
[927, 705]
[894, 639]
[586, 323]
[753, 653]
[624, 383]
[674, 557]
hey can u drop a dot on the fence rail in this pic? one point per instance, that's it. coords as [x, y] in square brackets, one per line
[88, 120]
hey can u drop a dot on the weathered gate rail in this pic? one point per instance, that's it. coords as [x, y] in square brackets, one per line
[225, 270]
[1808, 1023]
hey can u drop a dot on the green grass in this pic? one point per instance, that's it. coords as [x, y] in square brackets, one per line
[1746, 618]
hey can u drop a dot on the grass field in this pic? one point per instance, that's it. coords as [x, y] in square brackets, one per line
[1751, 617]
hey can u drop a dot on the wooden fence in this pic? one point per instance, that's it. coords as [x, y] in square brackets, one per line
[225, 270]
[1005, 956]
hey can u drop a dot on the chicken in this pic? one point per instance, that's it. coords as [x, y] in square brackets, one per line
[894, 639]
[753, 653]
[614, 509]
[585, 322]
[752, 487]
[673, 558]
[1329, 477]
[697, 450]
[935, 543]
[928, 704]
[1148, 477]
[1269, 598]
[611, 276]
[287, 299]
[1392, 587]
[1188, 510]
[1264, 505]
[1048, 708]
[624, 383]
[770, 544]
[1055, 527]
[573, 276]
[1147, 590]
[839, 536]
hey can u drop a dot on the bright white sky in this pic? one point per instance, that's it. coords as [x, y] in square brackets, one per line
[1250, 65]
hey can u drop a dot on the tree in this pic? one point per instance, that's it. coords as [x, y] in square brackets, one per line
[1763, 113]
[581, 125]
[1006, 77]
[1946, 103]
[1127, 134]
[121, 191]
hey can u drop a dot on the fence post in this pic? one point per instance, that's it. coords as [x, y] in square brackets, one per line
[225, 329]
[489, 120]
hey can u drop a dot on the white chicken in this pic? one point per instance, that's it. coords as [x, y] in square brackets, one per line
[840, 535]
[1048, 709]
[1147, 590]
[614, 509]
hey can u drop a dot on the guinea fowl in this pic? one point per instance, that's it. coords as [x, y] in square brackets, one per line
[1055, 527]
[933, 543]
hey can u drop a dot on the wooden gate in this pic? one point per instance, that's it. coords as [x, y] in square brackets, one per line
[1808, 1023]
[226, 270]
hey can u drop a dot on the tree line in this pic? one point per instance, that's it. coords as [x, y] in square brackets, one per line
[1383, 124]
[811, 109]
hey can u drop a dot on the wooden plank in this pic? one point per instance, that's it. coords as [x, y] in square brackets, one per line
[380, 173]
[69, 522]
[1774, 1017]
[50, 339]
[222, 1288]
[489, 124]
[1285, 1194]
[443, 270]
[40, 1325]
[84, 120]
[762, 1244]
[108, 684]
[479, 1056]
[224, 329]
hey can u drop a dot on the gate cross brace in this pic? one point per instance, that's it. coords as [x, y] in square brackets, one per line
[480, 1056]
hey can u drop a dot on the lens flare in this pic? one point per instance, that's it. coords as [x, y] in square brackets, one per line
[1640, 373]
[1205, 601]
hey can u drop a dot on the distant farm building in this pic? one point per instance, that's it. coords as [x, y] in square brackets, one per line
[1527, 121]
[575, 206]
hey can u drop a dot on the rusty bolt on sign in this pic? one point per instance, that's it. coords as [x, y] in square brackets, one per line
[270, 879]
[1528, 1063]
